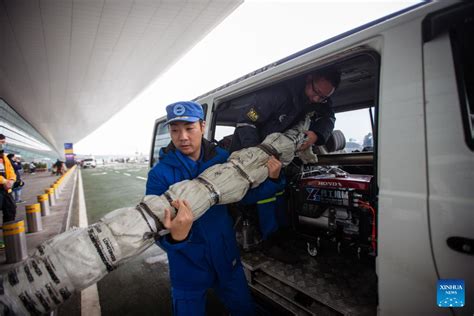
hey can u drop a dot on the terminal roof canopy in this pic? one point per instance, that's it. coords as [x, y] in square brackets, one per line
[67, 66]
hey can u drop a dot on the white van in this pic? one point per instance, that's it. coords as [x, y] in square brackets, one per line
[408, 79]
[89, 163]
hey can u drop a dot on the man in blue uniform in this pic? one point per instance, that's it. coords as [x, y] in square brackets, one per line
[202, 254]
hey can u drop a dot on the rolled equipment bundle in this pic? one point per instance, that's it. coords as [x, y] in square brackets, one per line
[78, 258]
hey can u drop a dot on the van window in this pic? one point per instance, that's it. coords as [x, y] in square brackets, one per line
[357, 129]
[222, 131]
[463, 53]
[161, 139]
[223, 135]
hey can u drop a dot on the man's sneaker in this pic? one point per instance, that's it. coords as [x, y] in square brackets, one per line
[2, 245]
[20, 202]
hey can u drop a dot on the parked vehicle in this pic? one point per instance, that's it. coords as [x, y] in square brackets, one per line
[89, 163]
[382, 226]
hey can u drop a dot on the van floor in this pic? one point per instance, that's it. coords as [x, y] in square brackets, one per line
[328, 284]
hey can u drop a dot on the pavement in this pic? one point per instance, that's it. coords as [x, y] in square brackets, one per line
[61, 215]
[35, 184]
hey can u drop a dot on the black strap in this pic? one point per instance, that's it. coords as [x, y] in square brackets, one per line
[170, 201]
[168, 197]
[96, 243]
[159, 224]
[50, 270]
[210, 187]
[138, 208]
[269, 150]
[242, 173]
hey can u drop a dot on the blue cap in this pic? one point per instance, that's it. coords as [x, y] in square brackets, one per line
[185, 111]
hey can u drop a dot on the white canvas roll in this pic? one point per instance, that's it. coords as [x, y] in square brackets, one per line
[78, 258]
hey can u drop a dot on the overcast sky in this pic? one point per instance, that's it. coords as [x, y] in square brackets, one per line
[255, 34]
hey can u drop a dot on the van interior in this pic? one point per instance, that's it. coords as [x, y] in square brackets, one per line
[330, 207]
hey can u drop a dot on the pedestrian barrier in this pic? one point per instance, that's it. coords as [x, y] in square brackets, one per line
[56, 187]
[15, 241]
[52, 194]
[33, 218]
[52, 199]
[14, 231]
[44, 204]
[56, 192]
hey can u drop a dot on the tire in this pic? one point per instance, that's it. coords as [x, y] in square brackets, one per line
[336, 141]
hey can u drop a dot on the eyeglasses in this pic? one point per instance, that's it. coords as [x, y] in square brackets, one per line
[322, 98]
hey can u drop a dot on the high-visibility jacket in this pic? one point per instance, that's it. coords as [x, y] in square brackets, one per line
[9, 171]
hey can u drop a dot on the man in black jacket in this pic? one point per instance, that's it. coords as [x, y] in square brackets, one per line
[277, 108]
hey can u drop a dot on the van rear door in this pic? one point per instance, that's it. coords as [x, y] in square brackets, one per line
[449, 102]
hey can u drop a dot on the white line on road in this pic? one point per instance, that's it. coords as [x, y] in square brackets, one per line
[160, 258]
[98, 174]
[90, 304]
[127, 174]
[142, 178]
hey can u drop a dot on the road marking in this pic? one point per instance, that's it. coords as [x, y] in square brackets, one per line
[155, 259]
[142, 178]
[127, 174]
[90, 304]
[117, 172]
[82, 210]
[98, 174]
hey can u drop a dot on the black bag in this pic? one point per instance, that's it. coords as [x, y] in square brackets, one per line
[18, 184]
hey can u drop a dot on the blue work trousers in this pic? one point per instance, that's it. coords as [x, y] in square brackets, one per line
[234, 294]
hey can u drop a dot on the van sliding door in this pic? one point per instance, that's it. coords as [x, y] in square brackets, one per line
[449, 87]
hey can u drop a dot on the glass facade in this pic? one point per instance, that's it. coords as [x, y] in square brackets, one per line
[23, 139]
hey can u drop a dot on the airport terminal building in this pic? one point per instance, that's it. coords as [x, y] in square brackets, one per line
[23, 139]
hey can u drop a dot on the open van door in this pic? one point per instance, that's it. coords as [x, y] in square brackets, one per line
[449, 106]
[161, 138]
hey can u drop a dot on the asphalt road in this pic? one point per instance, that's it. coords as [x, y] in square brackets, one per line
[141, 286]
[113, 186]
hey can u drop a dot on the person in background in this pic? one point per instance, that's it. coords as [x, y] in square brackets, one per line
[32, 167]
[7, 179]
[18, 185]
[59, 167]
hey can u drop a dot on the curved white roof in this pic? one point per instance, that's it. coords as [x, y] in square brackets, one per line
[67, 66]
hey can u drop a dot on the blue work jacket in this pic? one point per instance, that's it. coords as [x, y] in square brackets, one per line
[211, 248]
